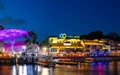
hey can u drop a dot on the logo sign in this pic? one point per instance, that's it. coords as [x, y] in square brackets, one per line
[63, 35]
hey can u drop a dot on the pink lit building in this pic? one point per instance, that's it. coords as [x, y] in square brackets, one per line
[17, 46]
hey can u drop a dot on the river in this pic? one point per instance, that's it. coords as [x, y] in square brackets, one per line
[95, 68]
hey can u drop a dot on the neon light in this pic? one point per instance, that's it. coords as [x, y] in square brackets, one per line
[63, 35]
[12, 35]
[68, 44]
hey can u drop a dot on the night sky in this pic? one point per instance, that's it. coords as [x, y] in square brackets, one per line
[52, 17]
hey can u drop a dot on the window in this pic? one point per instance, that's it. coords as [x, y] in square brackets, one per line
[54, 50]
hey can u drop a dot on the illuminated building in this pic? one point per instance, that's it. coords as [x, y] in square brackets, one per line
[115, 48]
[1, 46]
[64, 44]
[72, 45]
[95, 47]
[9, 37]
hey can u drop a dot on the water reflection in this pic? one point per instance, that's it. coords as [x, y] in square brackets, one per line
[30, 70]
[95, 68]
[115, 68]
[20, 70]
[51, 71]
[45, 71]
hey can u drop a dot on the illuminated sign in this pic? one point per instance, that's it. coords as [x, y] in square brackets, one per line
[63, 35]
[77, 37]
[67, 44]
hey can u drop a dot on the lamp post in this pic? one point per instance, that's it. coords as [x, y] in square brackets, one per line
[45, 49]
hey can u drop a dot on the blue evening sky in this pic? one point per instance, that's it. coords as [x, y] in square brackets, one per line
[52, 17]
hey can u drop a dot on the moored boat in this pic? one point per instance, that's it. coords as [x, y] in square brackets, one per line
[88, 60]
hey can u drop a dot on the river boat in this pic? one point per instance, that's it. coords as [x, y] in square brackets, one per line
[88, 60]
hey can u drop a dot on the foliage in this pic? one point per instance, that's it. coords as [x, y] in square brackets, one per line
[33, 35]
[99, 35]
[93, 35]
[112, 36]
[31, 38]
[1, 28]
[45, 43]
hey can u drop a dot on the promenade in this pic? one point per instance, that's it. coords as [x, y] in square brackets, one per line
[62, 60]
[21, 60]
[75, 60]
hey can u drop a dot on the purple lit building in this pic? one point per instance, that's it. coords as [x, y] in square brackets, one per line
[12, 39]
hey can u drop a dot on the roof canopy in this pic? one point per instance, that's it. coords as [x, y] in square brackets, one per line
[12, 33]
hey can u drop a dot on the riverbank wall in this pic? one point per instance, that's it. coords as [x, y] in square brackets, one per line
[13, 60]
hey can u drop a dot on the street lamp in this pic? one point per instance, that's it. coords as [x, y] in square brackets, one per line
[45, 49]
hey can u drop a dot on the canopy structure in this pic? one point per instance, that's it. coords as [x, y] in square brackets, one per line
[12, 35]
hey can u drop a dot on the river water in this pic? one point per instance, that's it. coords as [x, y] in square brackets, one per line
[95, 68]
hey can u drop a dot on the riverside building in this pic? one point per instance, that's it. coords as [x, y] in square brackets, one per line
[73, 46]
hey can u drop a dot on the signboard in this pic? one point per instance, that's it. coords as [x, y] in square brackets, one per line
[63, 35]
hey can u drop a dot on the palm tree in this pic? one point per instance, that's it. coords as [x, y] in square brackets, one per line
[30, 39]
[45, 43]
[33, 36]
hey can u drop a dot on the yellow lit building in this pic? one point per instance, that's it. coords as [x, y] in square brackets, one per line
[72, 45]
[94, 44]
[3, 53]
[64, 45]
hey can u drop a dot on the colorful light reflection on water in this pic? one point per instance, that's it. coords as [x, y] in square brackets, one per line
[95, 68]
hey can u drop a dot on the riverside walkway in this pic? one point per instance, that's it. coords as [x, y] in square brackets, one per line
[72, 60]
[83, 58]
[21, 60]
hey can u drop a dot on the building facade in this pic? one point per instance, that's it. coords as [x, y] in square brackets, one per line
[73, 46]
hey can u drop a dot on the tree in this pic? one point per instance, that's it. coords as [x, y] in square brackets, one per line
[45, 43]
[95, 35]
[1, 28]
[31, 39]
[113, 36]
[33, 36]
[84, 37]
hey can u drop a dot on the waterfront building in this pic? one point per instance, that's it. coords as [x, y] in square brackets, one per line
[2, 46]
[32, 50]
[64, 45]
[95, 47]
[115, 48]
[9, 40]
[74, 46]
[3, 52]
